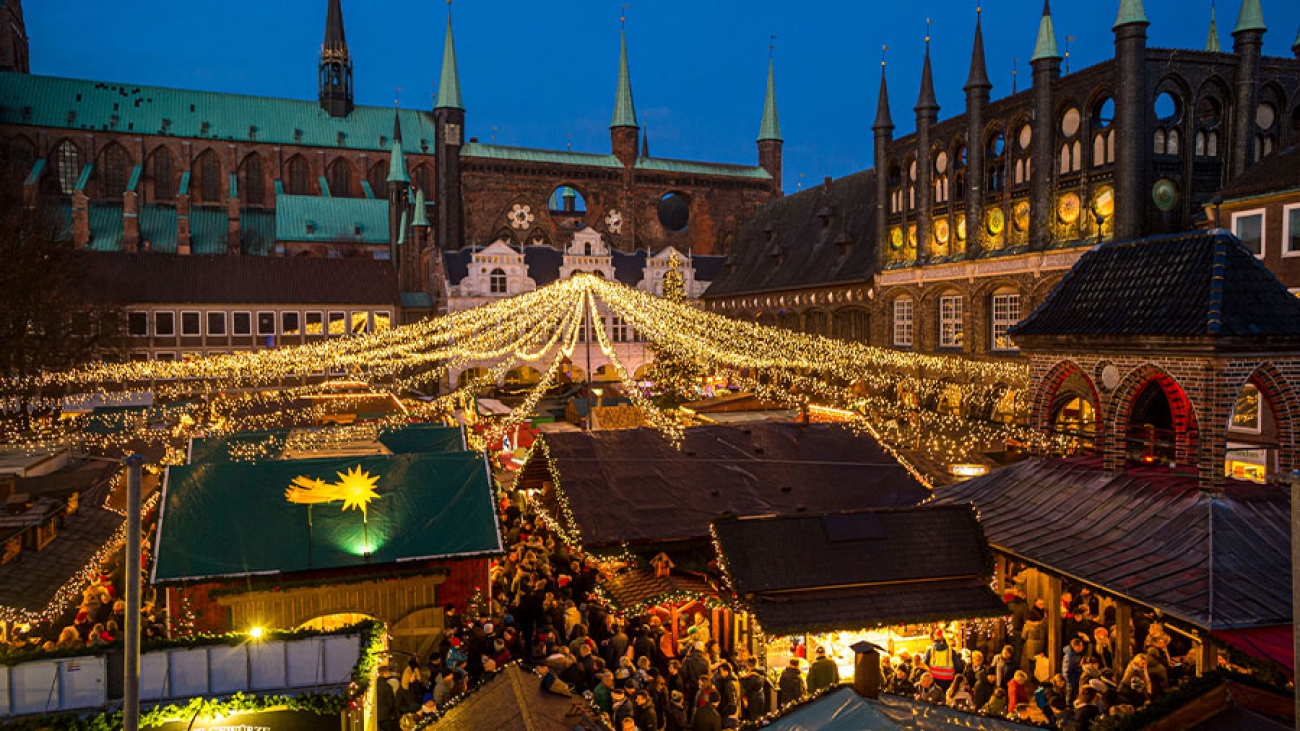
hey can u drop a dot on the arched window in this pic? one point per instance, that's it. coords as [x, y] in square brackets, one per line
[113, 175]
[296, 176]
[254, 182]
[959, 172]
[340, 178]
[1151, 426]
[67, 159]
[497, 282]
[164, 181]
[995, 165]
[950, 321]
[1074, 421]
[379, 179]
[1005, 312]
[903, 323]
[208, 168]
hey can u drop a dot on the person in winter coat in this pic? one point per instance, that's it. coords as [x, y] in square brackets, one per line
[707, 717]
[644, 712]
[1005, 666]
[753, 687]
[1018, 689]
[823, 673]
[1085, 709]
[790, 686]
[1072, 666]
[694, 668]
[943, 661]
[984, 687]
[1035, 635]
[997, 703]
[929, 691]
[725, 683]
[675, 718]
[901, 684]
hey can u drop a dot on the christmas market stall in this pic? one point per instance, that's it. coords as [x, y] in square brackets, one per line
[642, 504]
[327, 540]
[515, 699]
[889, 577]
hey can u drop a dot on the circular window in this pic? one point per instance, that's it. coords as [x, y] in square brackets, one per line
[1208, 112]
[674, 211]
[1265, 115]
[1026, 136]
[1020, 216]
[1070, 122]
[1166, 107]
[941, 162]
[997, 145]
[1104, 114]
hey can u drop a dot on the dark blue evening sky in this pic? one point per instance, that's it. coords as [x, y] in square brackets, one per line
[542, 74]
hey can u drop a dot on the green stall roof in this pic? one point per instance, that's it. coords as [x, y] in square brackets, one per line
[264, 444]
[231, 519]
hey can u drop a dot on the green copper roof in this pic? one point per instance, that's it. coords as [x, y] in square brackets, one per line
[1131, 12]
[1212, 36]
[659, 164]
[397, 165]
[316, 218]
[1251, 17]
[624, 109]
[401, 230]
[1046, 45]
[770, 129]
[526, 154]
[449, 84]
[76, 104]
[421, 216]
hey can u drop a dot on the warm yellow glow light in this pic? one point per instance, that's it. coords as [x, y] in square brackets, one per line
[256, 633]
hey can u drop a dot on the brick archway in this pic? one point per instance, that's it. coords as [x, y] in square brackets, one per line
[1281, 398]
[1049, 387]
[1181, 409]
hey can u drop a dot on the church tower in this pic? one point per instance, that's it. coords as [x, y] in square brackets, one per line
[13, 38]
[927, 113]
[769, 133]
[1046, 63]
[883, 132]
[449, 122]
[335, 75]
[977, 91]
[623, 129]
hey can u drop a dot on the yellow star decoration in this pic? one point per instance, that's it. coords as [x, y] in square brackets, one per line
[356, 488]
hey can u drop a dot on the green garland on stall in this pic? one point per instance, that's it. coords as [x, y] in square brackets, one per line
[372, 634]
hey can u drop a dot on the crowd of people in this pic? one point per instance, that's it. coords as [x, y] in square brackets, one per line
[1021, 683]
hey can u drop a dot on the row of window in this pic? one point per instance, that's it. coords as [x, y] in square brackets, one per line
[219, 323]
[1005, 312]
[619, 330]
[1249, 227]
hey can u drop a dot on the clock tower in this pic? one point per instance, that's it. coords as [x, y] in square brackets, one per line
[449, 135]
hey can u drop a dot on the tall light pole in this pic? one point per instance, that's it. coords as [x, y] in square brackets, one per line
[131, 653]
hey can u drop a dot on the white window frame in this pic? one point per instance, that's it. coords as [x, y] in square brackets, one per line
[365, 322]
[1002, 324]
[504, 278]
[157, 331]
[225, 324]
[324, 327]
[145, 314]
[167, 355]
[198, 331]
[374, 320]
[234, 329]
[951, 323]
[343, 318]
[904, 320]
[274, 323]
[299, 325]
[1263, 227]
[1287, 233]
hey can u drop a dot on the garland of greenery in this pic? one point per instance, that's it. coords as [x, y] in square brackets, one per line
[372, 635]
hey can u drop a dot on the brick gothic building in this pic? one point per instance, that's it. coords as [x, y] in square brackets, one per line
[144, 168]
[965, 225]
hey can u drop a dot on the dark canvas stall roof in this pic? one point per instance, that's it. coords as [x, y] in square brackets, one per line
[1201, 285]
[634, 486]
[642, 586]
[222, 519]
[844, 710]
[1217, 562]
[513, 700]
[836, 571]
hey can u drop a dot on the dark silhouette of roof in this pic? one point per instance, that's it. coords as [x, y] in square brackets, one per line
[629, 268]
[124, 278]
[513, 700]
[1277, 173]
[1201, 285]
[822, 572]
[818, 236]
[642, 586]
[635, 486]
[1151, 535]
[544, 264]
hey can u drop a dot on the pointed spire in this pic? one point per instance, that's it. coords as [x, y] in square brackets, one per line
[421, 217]
[770, 129]
[624, 109]
[1212, 36]
[645, 142]
[1295, 47]
[979, 73]
[1131, 12]
[927, 100]
[1046, 45]
[449, 84]
[334, 36]
[401, 230]
[1251, 17]
[884, 121]
[397, 160]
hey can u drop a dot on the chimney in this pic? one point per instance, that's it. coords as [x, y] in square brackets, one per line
[866, 670]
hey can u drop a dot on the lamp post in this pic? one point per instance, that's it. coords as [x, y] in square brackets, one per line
[131, 652]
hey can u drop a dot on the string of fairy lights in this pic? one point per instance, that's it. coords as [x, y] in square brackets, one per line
[916, 403]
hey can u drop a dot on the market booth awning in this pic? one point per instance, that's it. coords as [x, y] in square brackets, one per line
[513, 700]
[223, 519]
[1218, 562]
[844, 710]
[853, 570]
[635, 486]
[641, 587]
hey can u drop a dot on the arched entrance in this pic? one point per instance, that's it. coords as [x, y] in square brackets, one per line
[1153, 420]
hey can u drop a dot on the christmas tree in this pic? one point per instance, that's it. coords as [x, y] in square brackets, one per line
[675, 378]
